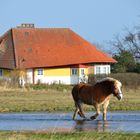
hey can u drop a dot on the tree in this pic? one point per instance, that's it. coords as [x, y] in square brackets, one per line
[127, 51]
[130, 41]
[126, 62]
[101, 47]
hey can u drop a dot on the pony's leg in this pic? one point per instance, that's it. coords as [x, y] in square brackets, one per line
[105, 105]
[75, 112]
[78, 110]
[97, 107]
[81, 112]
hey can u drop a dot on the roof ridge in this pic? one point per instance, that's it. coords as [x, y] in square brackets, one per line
[40, 28]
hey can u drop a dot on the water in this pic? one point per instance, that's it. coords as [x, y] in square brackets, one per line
[116, 122]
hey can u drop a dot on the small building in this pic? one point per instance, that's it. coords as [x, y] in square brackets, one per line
[50, 55]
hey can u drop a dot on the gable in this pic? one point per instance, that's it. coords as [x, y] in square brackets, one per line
[7, 58]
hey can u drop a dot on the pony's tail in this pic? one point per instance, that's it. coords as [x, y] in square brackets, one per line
[76, 90]
[75, 93]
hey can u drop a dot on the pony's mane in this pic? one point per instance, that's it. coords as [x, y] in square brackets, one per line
[106, 79]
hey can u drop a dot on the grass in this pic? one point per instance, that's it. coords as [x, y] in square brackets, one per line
[67, 136]
[130, 102]
[29, 100]
[60, 99]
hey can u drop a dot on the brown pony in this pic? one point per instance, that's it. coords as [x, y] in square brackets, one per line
[96, 95]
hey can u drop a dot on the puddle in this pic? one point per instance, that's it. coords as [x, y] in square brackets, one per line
[116, 122]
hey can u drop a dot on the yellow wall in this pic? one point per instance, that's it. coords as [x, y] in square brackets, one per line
[55, 71]
[6, 72]
[90, 69]
[60, 71]
[86, 71]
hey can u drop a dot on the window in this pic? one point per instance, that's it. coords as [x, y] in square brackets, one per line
[82, 72]
[108, 70]
[104, 70]
[74, 71]
[98, 69]
[39, 71]
[0, 72]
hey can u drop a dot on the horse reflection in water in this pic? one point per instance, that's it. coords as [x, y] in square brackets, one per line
[98, 126]
[96, 95]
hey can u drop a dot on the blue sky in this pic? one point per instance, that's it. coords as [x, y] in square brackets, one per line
[95, 20]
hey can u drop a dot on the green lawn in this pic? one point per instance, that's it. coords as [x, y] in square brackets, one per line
[24, 100]
[68, 136]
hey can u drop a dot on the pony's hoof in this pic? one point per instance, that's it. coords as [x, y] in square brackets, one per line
[92, 117]
[85, 119]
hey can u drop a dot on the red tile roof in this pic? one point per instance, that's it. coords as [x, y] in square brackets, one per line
[7, 57]
[49, 47]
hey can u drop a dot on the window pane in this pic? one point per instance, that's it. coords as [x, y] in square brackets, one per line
[108, 70]
[74, 71]
[104, 70]
[39, 71]
[98, 70]
[82, 72]
[0, 72]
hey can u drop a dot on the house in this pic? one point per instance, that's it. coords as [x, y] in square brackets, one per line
[50, 55]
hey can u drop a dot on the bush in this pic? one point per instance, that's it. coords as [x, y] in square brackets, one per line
[129, 80]
[58, 87]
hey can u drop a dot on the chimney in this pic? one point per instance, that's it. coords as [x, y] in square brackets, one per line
[26, 26]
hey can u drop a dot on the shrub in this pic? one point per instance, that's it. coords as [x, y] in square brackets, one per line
[129, 80]
[58, 87]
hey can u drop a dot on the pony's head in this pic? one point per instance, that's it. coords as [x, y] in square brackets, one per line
[114, 86]
[117, 89]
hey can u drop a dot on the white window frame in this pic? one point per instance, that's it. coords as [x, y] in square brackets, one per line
[40, 71]
[1, 72]
[102, 69]
[98, 69]
[74, 71]
[82, 71]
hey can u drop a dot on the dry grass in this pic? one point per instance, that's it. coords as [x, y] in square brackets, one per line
[131, 101]
[24, 100]
[19, 100]
[67, 136]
